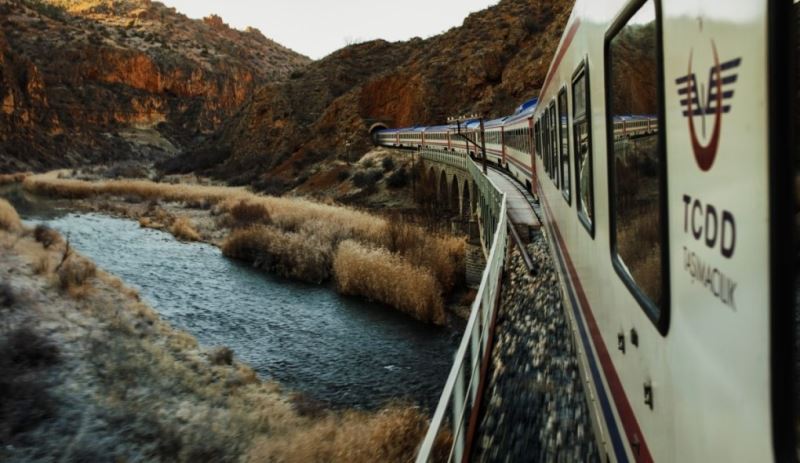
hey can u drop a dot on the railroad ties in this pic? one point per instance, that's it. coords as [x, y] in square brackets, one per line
[533, 406]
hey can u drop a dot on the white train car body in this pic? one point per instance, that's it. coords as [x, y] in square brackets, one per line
[658, 151]
[686, 378]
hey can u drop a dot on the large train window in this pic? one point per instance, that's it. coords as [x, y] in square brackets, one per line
[636, 160]
[554, 142]
[581, 133]
[563, 129]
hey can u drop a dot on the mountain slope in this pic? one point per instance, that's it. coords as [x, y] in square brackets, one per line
[495, 60]
[88, 81]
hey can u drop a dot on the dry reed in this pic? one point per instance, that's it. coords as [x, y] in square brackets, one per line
[9, 219]
[74, 275]
[299, 255]
[19, 177]
[183, 229]
[391, 435]
[443, 255]
[385, 277]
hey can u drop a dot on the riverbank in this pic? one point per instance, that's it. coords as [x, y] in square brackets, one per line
[90, 372]
[292, 237]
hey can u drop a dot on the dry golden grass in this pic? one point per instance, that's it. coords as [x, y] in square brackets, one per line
[299, 255]
[74, 274]
[150, 376]
[19, 177]
[391, 435]
[9, 219]
[183, 229]
[295, 237]
[246, 213]
[443, 255]
[385, 277]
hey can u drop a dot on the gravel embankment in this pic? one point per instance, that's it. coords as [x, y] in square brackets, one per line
[534, 403]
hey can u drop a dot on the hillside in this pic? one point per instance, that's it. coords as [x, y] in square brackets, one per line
[291, 130]
[96, 80]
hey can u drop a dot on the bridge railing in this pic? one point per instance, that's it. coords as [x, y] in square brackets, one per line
[450, 421]
[454, 159]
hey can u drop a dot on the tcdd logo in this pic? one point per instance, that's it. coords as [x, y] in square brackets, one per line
[715, 101]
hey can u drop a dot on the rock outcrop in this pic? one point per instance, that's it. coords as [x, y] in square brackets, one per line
[495, 60]
[97, 80]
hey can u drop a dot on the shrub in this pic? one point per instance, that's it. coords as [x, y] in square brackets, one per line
[367, 178]
[248, 212]
[183, 229]
[6, 179]
[26, 400]
[443, 255]
[75, 272]
[9, 219]
[398, 178]
[343, 175]
[392, 434]
[382, 276]
[302, 256]
[221, 356]
[387, 163]
[7, 297]
[46, 235]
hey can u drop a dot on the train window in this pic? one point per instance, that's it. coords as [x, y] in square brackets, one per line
[636, 161]
[546, 142]
[554, 142]
[563, 128]
[582, 136]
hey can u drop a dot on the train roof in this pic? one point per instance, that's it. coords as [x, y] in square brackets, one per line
[494, 123]
[634, 117]
[523, 112]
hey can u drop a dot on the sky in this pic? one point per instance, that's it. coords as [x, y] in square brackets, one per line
[316, 28]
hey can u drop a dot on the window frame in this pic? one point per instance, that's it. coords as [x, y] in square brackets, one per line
[567, 194]
[583, 71]
[659, 316]
[554, 142]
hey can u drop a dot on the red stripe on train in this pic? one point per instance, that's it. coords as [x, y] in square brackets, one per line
[629, 422]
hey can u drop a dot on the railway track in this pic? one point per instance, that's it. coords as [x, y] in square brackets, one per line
[535, 208]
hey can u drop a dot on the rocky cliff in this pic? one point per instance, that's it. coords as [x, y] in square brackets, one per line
[495, 60]
[96, 80]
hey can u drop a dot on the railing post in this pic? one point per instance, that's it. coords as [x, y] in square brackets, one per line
[458, 416]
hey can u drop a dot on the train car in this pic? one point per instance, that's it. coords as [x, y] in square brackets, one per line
[667, 228]
[387, 137]
[495, 146]
[658, 151]
[437, 137]
[518, 143]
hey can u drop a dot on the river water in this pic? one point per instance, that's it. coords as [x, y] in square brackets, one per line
[341, 351]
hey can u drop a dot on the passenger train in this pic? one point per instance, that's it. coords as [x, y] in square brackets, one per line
[660, 149]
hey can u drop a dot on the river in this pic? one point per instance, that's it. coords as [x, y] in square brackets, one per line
[341, 351]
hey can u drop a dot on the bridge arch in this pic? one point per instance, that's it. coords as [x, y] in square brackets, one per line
[466, 201]
[455, 196]
[443, 190]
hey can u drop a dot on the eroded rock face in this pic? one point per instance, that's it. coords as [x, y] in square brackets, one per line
[77, 76]
[498, 58]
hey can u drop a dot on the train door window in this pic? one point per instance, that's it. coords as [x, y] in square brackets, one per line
[636, 161]
[546, 142]
[554, 142]
[582, 136]
[563, 128]
[537, 139]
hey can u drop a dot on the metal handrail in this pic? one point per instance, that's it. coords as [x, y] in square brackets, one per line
[476, 336]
